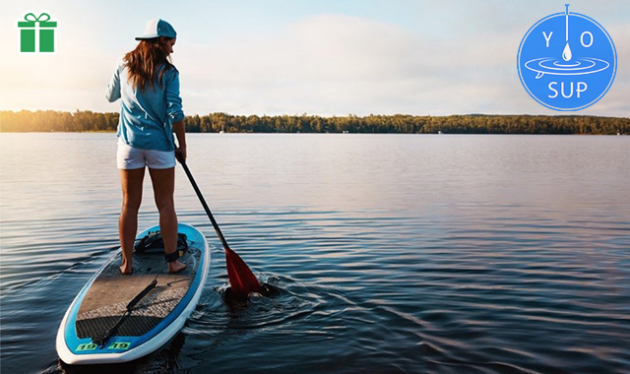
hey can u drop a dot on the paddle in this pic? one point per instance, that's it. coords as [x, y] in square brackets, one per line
[242, 280]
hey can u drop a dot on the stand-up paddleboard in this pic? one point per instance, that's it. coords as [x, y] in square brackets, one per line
[119, 318]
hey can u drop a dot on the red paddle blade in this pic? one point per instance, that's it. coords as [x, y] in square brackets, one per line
[242, 280]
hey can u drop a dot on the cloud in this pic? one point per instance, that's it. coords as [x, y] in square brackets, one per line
[327, 64]
[333, 64]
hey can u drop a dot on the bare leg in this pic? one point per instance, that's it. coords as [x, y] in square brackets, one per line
[163, 188]
[131, 182]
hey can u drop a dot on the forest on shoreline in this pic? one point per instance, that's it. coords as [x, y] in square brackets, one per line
[83, 121]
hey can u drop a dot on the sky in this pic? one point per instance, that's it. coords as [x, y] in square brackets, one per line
[292, 57]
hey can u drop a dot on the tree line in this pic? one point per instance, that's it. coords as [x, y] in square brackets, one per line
[52, 121]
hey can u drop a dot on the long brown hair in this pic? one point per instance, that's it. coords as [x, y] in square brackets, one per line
[143, 61]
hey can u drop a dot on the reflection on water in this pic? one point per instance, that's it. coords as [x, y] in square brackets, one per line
[384, 253]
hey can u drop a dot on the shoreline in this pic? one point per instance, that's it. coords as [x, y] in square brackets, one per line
[87, 121]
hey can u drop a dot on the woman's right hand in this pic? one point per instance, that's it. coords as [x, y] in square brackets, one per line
[180, 154]
[179, 128]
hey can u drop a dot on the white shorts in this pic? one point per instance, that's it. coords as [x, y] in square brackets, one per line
[128, 157]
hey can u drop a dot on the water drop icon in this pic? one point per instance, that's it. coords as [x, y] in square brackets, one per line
[566, 54]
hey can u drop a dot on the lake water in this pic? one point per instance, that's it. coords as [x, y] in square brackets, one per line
[388, 253]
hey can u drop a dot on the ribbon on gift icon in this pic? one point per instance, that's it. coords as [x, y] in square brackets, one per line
[37, 34]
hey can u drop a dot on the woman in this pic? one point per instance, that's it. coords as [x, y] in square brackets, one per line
[151, 111]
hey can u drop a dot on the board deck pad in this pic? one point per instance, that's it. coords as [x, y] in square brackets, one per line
[111, 291]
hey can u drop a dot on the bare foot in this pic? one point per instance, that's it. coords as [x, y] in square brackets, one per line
[175, 266]
[125, 269]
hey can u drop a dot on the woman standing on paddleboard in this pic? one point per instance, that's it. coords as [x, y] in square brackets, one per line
[151, 111]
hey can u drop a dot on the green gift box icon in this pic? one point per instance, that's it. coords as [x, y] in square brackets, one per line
[37, 34]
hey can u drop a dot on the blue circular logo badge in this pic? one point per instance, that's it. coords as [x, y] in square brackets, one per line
[567, 61]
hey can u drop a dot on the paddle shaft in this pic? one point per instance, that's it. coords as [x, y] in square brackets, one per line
[205, 205]
[242, 280]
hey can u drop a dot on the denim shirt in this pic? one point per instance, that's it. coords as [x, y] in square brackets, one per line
[146, 118]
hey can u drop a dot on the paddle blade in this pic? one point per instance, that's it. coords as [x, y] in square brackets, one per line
[242, 280]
